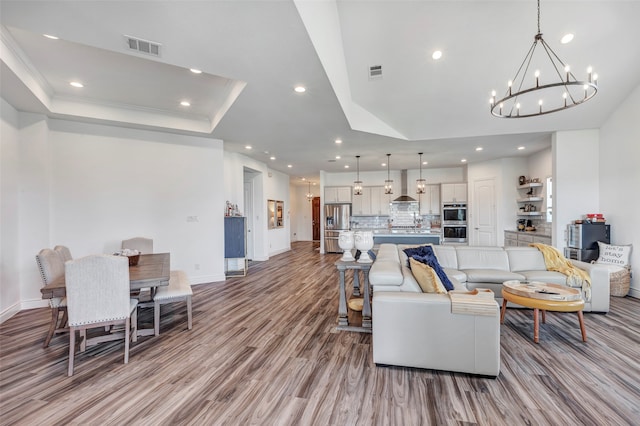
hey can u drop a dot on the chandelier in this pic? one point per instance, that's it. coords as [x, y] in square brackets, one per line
[388, 184]
[357, 184]
[561, 91]
[421, 184]
[309, 194]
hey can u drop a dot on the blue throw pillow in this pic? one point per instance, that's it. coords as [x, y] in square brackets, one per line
[429, 258]
[416, 251]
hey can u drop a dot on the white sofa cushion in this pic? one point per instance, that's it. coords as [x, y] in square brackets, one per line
[457, 275]
[525, 259]
[447, 257]
[491, 276]
[545, 276]
[476, 257]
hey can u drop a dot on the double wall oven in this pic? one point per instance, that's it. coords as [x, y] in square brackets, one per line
[454, 223]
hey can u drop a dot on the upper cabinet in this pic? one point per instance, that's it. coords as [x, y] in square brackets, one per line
[453, 193]
[430, 200]
[373, 201]
[337, 194]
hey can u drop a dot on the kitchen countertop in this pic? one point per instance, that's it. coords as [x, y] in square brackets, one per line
[417, 231]
[538, 233]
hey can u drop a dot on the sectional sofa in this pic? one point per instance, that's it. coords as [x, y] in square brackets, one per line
[416, 329]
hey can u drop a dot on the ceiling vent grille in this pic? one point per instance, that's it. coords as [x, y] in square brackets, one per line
[375, 72]
[143, 46]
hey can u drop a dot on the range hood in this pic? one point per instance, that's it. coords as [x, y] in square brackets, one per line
[404, 198]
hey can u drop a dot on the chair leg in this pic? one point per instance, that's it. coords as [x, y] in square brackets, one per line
[52, 326]
[189, 317]
[83, 339]
[134, 325]
[156, 318]
[72, 349]
[127, 328]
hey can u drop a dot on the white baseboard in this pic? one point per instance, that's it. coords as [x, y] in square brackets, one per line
[206, 279]
[276, 252]
[9, 312]
[634, 292]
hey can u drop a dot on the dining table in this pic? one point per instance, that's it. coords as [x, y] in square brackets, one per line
[151, 271]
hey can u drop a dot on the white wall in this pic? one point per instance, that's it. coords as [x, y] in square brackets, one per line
[576, 171]
[9, 211]
[301, 212]
[89, 186]
[277, 188]
[619, 154]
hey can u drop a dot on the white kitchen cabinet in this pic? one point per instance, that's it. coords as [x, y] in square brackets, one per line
[453, 192]
[337, 194]
[430, 200]
[372, 202]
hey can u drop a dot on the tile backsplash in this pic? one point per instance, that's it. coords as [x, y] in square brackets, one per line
[401, 214]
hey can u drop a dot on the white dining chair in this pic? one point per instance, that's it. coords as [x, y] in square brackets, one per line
[98, 296]
[178, 290]
[64, 252]
[142, 244]
[51, 267]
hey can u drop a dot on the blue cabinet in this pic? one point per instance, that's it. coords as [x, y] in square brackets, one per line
[235, 246]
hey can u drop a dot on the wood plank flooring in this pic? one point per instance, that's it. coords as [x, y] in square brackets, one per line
[264, 350]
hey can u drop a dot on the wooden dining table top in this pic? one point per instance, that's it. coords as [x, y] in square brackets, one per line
[152, 270]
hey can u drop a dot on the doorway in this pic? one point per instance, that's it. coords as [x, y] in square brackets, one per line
[483, 217]
[315, 218]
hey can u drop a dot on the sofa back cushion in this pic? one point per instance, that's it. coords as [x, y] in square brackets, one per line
[525, 259]
[476, 257]
[446, 256]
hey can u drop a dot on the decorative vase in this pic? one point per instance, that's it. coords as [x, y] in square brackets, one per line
[346, 243]
[364, 243]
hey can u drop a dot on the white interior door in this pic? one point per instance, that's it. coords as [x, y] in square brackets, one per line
[483, 228]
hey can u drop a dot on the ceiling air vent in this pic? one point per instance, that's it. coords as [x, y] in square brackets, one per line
[375, 72]
[143, 46]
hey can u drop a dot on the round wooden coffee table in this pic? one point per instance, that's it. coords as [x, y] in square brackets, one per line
[543, 297]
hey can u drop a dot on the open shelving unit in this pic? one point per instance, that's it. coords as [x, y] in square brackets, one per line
[530, 197]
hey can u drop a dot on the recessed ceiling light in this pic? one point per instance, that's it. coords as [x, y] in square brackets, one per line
[272, 158]
[346, 166]
[195, 70]
[76, 84]
[566, 38]
[185, 103]
[464, 160]
[52, 37]
[520, 148]
[384, 164]
[289, 165]
[304, 178]
[479, 148]
[337, 157]
[248, 147]
[300, 89]
[338, 141]
[424, 163]
[437, 55]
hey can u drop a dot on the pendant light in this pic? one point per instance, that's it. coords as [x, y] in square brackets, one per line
[421, 184]
[309, 194]
[357, 184]
[388, 184]
[560, 90]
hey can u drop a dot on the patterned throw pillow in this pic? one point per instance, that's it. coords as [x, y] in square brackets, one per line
[614, 255]
[426, 277]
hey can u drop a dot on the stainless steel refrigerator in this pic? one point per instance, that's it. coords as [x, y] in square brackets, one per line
[336, 219]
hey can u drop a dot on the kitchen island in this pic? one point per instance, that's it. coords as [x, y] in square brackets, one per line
[405, 236]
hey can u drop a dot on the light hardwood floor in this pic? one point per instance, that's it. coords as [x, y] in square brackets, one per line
[264, 350]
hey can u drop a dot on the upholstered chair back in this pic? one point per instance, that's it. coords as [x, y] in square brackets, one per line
[143, 245]
[97, 289]
[64, 252]
[50, 264]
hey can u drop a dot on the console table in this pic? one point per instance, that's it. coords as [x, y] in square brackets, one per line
[343, 313]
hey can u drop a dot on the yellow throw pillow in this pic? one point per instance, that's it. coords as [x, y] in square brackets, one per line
[426, 277]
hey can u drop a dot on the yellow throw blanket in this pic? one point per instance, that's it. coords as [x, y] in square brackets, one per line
[554, 261]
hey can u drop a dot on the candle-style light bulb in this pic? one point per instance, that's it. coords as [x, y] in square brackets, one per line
[564, 96]
[540, 105]
[595, 78]
[567, 69]
[537, 74]
[518, 108]
[509, 83]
